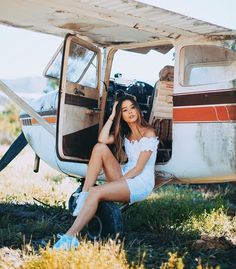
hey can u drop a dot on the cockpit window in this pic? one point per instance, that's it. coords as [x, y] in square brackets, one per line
[54, 69]
[207, 65]
[81, 66]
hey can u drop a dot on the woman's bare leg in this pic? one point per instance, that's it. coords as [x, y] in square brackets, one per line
[113, 191]
[101, 158]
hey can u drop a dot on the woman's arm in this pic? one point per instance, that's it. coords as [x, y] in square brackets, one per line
[105, 136]
[142, 161]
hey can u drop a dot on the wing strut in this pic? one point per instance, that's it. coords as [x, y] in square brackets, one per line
[27, 108]
[15, 148]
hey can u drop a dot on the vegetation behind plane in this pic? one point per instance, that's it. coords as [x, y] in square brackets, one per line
[10, 126]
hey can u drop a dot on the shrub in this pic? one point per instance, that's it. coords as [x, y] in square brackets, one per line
[9, 124]
[215, 223]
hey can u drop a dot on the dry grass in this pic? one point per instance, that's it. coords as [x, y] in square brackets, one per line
[174, 262]
[19, 184]
[214, 224]
[109, 255]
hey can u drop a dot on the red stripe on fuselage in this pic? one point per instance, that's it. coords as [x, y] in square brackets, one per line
[222, 113]
[51, 120]
[48, 119]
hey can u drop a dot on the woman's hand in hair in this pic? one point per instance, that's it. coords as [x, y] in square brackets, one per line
[105, 136]
[113, 113]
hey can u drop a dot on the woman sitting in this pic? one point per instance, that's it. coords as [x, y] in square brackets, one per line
[131, 183]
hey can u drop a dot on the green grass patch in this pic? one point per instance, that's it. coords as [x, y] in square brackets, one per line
[174, 218]
[169, 208]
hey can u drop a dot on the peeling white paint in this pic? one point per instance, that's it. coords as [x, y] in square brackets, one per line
[105, 22]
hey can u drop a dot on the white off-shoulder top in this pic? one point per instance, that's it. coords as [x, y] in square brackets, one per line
[133, 150]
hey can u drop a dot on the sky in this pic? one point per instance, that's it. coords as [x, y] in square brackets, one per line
[24, 53]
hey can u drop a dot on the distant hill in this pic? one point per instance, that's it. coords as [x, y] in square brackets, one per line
[27, 85]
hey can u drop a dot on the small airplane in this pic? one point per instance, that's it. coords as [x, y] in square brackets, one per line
[192, 105]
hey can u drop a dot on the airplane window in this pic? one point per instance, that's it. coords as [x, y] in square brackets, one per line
[211, 73]
[82, 61]
[81, 67]
[54, 69]
[89, 78]
[207, 65]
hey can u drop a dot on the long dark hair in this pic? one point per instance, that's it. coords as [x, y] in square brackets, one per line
[121, 128]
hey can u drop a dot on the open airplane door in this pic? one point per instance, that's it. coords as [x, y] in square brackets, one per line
[78, 109]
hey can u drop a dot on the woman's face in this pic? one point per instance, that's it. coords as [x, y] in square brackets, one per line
[129, 112]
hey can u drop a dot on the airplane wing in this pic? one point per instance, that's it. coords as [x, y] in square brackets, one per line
[107, 22]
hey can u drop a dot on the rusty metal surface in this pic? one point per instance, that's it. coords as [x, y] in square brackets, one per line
[104, 22]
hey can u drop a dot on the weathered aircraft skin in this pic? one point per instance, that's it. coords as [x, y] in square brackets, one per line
[195, 113]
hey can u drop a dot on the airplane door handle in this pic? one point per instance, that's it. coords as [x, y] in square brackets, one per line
[93, 111]
[79, 92]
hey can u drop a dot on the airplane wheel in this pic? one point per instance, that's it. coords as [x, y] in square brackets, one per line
[107, 222]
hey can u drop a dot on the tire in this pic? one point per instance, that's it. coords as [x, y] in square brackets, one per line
[107, 222]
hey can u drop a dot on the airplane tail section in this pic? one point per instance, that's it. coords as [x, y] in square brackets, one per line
[15, 148]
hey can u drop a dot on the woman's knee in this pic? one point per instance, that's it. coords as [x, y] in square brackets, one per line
[100, 147]
[94, 193]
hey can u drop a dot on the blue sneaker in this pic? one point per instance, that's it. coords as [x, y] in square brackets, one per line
[66, 242]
